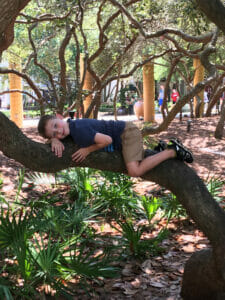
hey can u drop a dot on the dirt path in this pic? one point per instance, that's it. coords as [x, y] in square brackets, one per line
[209, 153]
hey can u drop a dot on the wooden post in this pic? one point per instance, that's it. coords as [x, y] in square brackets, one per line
[16, 99]
[199, 76]
[149, 92]
[88, 85]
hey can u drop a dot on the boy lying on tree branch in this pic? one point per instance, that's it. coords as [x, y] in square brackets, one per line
[91, 135]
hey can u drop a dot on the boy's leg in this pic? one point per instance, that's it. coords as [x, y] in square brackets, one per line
[136, 168]
[132, 143]
[183, 153]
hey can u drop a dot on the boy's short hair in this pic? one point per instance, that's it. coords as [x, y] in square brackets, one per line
[42, 124]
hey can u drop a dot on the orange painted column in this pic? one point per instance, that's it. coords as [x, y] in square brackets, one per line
[149, 92]
[16, 99]
[198, 77]
[88, 85]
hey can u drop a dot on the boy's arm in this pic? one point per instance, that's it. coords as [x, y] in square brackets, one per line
[101, 141]
[57, 146]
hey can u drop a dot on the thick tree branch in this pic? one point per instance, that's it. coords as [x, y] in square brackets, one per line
[22, 92]
[8, 14]
[182, 180]
[42, 18]
[214, 10]
[35, 57]
[25, 77]
[62, 60]
[136, 66]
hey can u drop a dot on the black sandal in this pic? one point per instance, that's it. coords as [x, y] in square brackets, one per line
[182, 152]
[161, 146]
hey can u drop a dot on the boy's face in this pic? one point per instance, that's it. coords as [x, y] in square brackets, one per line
[57, 128]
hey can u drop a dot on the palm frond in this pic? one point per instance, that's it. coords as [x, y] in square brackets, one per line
[38, 178]
[14, 229]
[85, 264]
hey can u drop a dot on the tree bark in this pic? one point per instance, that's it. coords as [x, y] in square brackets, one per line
[16, 100]
[172, 174]
[214, 10]
[198, 99]
[201, 280]
[149, 92]
[219, 128]
[8, 13]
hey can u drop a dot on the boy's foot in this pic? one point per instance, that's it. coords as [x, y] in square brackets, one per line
[175, 139]
[161, 146]
[183, 153]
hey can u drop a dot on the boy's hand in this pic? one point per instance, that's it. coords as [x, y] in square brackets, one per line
[100, 141]
[57, 147]
[80, 155]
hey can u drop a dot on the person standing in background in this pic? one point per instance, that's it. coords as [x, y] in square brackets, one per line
[175, 96]
[160, 97]
[206, 100]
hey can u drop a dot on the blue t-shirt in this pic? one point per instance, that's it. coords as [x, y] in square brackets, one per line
[83, 132]
[161, 94]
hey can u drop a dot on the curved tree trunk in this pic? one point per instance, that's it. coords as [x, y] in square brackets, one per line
[8, 13]
[216, 97]
[88, 85]
[201, 280]
[214, 10]
[219, 128]
[198, 77]
[181, 180]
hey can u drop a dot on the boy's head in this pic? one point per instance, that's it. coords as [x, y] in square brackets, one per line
[50, 126]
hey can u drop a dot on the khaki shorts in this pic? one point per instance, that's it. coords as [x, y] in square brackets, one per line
[132, 143]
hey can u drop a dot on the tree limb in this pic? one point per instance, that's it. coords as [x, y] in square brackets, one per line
[182, 180]
[8, 14]
[214, 10]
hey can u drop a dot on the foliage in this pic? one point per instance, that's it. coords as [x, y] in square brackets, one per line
[111, 45]
[172, 207]
[110, 193]
[50, 255]
[215, 186]
[115, 196]
[106, 107]
[138, 247]
[186, 15]
[50, 240]
[5, 292]
[151, 207]
[80, 182]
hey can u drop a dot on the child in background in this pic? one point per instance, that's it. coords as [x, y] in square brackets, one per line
[174, 96]
[160, 97]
